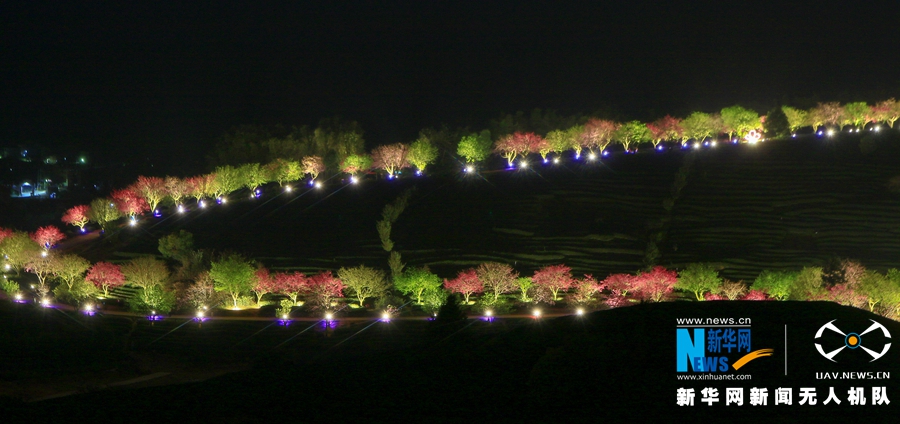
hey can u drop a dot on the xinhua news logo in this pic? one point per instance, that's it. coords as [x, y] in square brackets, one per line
[715, 348]
[853, 341]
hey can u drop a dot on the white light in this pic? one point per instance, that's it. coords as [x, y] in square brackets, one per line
[713, 144]
[200, 314]
[830, 133]
[44, 253]
[696, 145]
[385, 316]
[201, 204]
[152, 312]
[224, 200]
[288, 189]
[284, 316]
[592, 156]
[577, 155]
[579, 311]
[353, 180]
[877, 128]
[793, 135]
[488, 313]
[318, 184]
[132, 223]
[7, 267]
[555, 160]
[45, 302]
[470, 168]
[18, 296]
[329, 316]
[180, 209]
[523, 164]
[536, 313]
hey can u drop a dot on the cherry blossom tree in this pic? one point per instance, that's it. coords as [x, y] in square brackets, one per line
[830, 114]
[177, 189]
[105, 276]
[597, 134]
[497, 278]
[42, 267]
[129, 202]
[512, 145]
[654, 285]
[618, 286]
[755, 295]
[585, 290]
[48, 236]
[152, 189]
[291, 284]
[666, 128]
[195, 187]
[323, 288]
[887, 111]
[551, 280]
[466, 283]
[77, 216]
[312, 165]
[540, 146]
[390, 157]
[263, 283]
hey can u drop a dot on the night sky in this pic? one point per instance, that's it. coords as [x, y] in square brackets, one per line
[143, 78]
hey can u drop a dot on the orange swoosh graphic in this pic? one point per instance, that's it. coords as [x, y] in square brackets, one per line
[751, 356]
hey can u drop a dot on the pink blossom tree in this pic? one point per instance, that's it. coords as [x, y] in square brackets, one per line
[313, 165]
[152, 189]
[323, 288]
[291, 284]
[756, 295]
[263, 283]
[512, 145]
[466, 283]
[391, 157]
[654, 285]
[48, 236]
[550, 280]
[177, 189]
[597, 134]
[77, 216]
[618, 286]
[585, 290]
[497, 278]
[129, 202]
[105, 276]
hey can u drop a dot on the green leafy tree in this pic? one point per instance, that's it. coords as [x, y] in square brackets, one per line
[776, 124]
[152, 299]
[364, 282]
[475, 147]
[70, 269]
[422, 153]
[355, 164]
[416, 281]
[227, 179]
[776, 284]
[145, 271]
[796, 118]
[233, 275]
[252, 175]
[632, 132]
[880, 289]
[178, 246]
[856, 114]
[699, 126]
[738, 120]
[433, 299]
[104, 212]
[808, 284]
[10, 287]
[18, 249]
[525, 284]
[698, 279]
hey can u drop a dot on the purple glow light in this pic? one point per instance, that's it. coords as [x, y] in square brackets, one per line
[659, 148]
[154, 317]
[83, 231]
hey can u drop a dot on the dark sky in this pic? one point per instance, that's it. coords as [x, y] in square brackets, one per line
[156, 75]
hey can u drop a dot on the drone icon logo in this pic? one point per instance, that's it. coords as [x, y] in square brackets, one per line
[853, 340]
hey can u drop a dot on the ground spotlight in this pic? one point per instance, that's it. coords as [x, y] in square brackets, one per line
[536, 313]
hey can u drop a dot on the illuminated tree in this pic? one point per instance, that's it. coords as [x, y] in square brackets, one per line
[291, 284]
[808, 284]
[654, 285]
[698, 279]
[263, 283]
[77, 216]
[354, 164]
[283, 170]
[364, 282]
[618, 285]
[4, 233]
[178, 246]
[129, 202]
[103, 212]
[195, 187]
[18, 249]
[755, 295]
[879, 289]
[466, 283]
[497, 278]
[48, 236]
[312, 165]
[226, 180]
[597, 134]
[585, 290]
[512, 145]
[845, 294]
[422, 153]
[42, 267]
[105, 276]
[632, 132]
[552, 279]
[233, 275]
[525, 285]
[737, 120]
[252, 176]
[69, 269]
[416, 281]
[558, 141]
[856, 114]
[152, 189]
[887, 111]
[323, 288]
[152, 299]
[830, 114]
[202, 293]
[797, 118]
[775, 284]
[699, 126]
[391, 157]
[540, 146]
[665, 128]
[145, 271]
[475, 147]
[177, 189]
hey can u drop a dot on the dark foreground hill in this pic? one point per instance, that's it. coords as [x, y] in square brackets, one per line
[614, 365]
